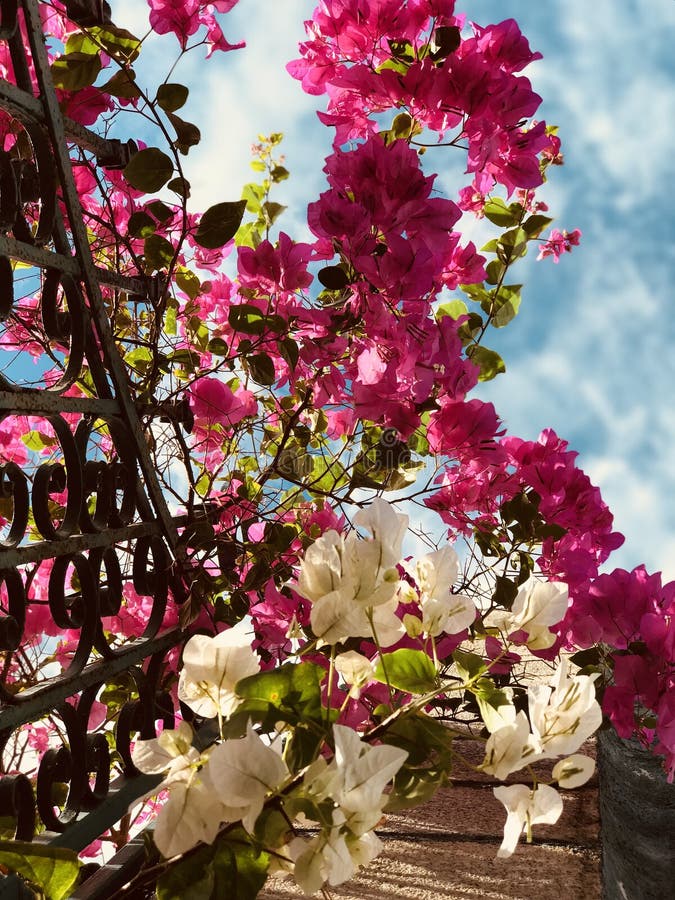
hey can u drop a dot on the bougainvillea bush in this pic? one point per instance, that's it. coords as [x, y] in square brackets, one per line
[318, 394]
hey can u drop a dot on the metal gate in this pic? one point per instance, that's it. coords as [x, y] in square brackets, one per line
[97, 524]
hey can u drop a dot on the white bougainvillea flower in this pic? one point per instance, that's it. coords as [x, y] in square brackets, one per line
[172, 752]
[352, 583]
[442, 611]
[192, 813]
[564, 713]
[356, 670]
[211, 668]
[243, 772]
[362, 772]
[526, 807]
[387, 528]
[321, 569]
[538, 605]
[331, 857]
[509, 748]
[573, 771]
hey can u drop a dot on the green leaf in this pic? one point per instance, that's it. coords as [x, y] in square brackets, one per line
[511, 245]
[187, 134]
[401, 126]
[172, 96]
[490, 700]
[148, 170]
[261, 368]
[506, 304]
[489, 361]
[119, 43]
[290, 351]
[193, 878]
[469, 665]
[246, 318]
[187, 281]
[292, 693]
[534, 225]
[75, 70]
[454, 308]
[141, 225]
[505, 592]
[494, 271]
[219, 224]
[411, 671]
[218, 347]
[54, 869]
[500, 214]
[240, 870]
[158, 252]
[36, 440]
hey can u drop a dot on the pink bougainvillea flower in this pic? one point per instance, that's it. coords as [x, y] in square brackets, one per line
[559, 242]
[214, 402]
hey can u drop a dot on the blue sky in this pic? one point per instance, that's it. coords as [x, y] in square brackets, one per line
[591, 353]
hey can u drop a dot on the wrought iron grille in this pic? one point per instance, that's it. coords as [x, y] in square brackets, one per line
[100, 523]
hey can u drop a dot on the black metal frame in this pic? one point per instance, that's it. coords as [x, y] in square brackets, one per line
[130, 517]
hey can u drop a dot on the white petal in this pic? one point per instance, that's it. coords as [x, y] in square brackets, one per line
[573, 771]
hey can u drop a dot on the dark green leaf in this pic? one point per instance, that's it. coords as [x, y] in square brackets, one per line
[140, 224]
[494, 271]
[334, 278]
[279, 173]
[272, 211]
[261, 368]
[218, 347]
[290, 351]
[240, 870]
[158, 252]
[246, 318]
[187, 134]
[172, 96]
[180, 186]
[590, 657]
[505, 592]
[148, 170]
[447, 39]
[122, 85]
[534, 225]
[54, 869]
[160, 210]
[192, 878]
[219, 224]
[411, 671]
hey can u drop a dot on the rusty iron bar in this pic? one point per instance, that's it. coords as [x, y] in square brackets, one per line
[47, 696]
[29, 401]
[110, 152]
